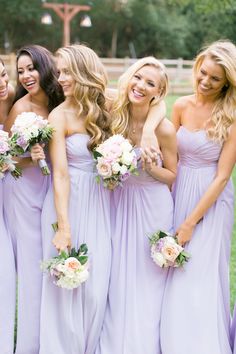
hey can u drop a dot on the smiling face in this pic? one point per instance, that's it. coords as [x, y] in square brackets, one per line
[65, 78]
[28, 76]
[3, 83]
[144, 85]
[211, 78]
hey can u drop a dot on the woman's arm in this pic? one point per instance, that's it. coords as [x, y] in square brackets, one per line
[225, 166]
[61, 180]
[167, 138]
[156, 114]
[176, 113]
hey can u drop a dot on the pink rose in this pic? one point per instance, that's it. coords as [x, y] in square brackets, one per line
[104, 168]
[171, 249]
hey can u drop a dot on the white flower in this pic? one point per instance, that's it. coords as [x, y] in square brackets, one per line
[116, 167]
[169, 240]
[123, 169]
[83, 276]
[126, 146]
[158, 258]
[127, 158]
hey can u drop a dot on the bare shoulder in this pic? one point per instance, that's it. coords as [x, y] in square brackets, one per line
[57, 117]
[183, 101]
[21, 105]
[165, 129]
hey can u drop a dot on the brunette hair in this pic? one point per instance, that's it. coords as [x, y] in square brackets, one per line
[44, 63]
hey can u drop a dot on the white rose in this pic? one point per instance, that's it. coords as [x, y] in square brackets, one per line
[83, 276]
[34, 131]
[169, 240]
[116, 167]
[123, 169]
[126, 146]
[127, 158]
[159, 259]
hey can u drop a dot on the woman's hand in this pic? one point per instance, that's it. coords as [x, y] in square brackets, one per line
[37, 153]
[62, 240]
[149, 141]
[184, 233]
[5, 167]
[149, 158]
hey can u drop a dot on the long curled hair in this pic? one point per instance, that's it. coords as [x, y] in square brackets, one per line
[44, 63]
[89, 93]
[121, 107]
[224, 112]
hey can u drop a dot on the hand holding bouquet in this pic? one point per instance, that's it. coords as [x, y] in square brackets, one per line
[115, 161]
[68, 270]
[165, 250]
[6, 162]
[28, 130]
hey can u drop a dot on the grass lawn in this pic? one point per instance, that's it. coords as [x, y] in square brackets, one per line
[169, 102]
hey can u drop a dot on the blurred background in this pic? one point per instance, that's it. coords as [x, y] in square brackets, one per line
[120, 30]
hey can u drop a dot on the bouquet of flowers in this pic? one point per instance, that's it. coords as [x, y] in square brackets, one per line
[28, 130]
[165, 250]
[6, 162]
[115, 161]
[68, 271]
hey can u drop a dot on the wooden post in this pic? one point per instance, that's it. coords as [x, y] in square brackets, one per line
[66, 12]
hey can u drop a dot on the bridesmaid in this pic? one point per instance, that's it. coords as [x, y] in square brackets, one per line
[7, 267]
[196, 309]
[7, 94]
[71, 320]
[37, 91]
[142, 206]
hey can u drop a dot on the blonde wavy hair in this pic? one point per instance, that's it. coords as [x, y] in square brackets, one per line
[89, 92]
[224, 111]
[121, 106]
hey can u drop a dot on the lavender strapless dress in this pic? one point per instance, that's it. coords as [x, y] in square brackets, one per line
[71, 320]
[23, 201]
[7, 287]
[132, 321]
[196, 307]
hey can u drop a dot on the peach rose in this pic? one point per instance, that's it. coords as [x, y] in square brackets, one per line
[171, 249]
[72, 263]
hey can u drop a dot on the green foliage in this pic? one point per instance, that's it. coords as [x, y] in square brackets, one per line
[165, 28]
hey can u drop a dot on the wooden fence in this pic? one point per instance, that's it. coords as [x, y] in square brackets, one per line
[179, 71]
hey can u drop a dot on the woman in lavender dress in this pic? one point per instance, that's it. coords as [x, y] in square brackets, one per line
[142, 206]
[196, 310]
[7, 267]
[71, 320]
[37, 91]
